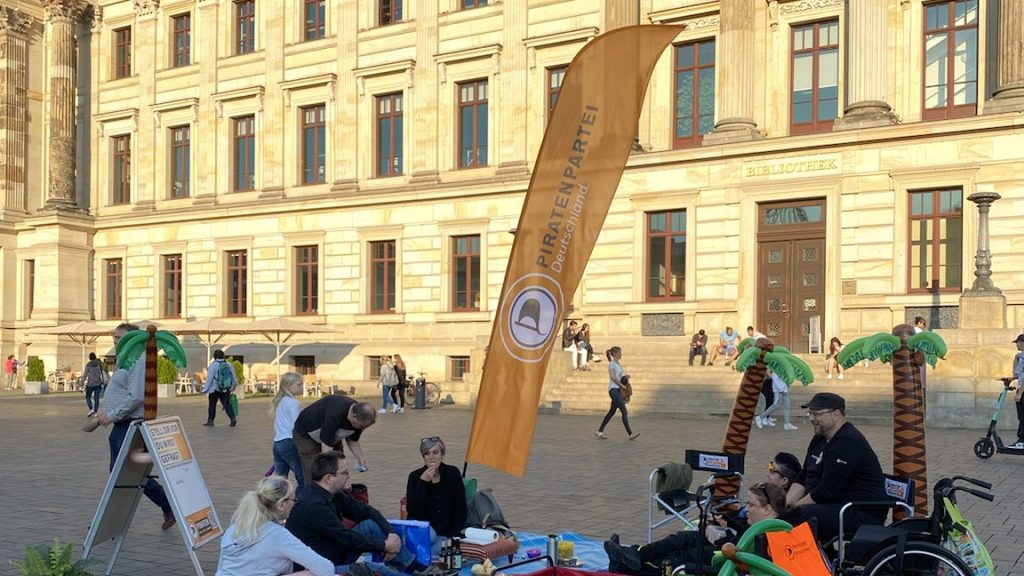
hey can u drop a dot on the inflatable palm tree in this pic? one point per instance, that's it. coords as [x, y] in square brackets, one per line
[135, 343]
[754, 360]
[907, 352]
[741, 557]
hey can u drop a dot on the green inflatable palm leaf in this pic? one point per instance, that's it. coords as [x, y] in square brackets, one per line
[930, 343]
[780, 364]
[744, 344]
[745, 551]
[852, 353]
[747, 358]
[881, 346]
[132, 346]
[781, 349]
[801, 371]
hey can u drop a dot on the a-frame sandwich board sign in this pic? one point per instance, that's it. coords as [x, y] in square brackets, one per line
[155, 447]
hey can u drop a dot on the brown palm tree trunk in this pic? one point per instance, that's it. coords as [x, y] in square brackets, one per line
[737, 433]
[908, 443]
[149, 401]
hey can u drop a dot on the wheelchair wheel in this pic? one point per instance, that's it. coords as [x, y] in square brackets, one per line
[919, 559]
[984, 449]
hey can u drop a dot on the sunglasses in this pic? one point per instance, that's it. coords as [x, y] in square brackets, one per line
[430, 439]
[761, 489]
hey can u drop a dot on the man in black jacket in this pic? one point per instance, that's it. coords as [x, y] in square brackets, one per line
[321, 427]
[316, 520]
[840, 467]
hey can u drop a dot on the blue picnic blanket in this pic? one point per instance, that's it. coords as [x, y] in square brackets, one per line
[590, 553]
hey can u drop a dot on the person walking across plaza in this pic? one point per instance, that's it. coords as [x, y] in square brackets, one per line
[124, 403]
[1018, 398]
[840, 467]
[388, 379]
[221, 381]
[398, 390]
[95, 378]
[781, 399]
[324, 424]
[615, 382]
[285, 408]
[11, 370]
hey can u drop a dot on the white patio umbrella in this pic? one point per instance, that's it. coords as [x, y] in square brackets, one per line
[209, 331]
[84, 333]
[280, 330]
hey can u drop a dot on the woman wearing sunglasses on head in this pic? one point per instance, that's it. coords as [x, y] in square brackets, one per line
[435, 494]
[681, 547]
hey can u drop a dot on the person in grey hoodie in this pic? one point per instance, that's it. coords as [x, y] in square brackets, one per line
[95, 377]
[256, 544]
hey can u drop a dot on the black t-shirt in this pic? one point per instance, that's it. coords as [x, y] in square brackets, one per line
[326, 420]
[843, 469]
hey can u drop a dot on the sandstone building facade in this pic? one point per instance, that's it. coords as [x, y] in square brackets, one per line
[803, 166]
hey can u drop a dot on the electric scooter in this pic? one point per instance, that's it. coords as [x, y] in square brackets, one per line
[991, 442]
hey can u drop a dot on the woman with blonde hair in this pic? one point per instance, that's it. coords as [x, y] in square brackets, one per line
[256, 544]
[398, 390]
[388, 378]
[285, 408]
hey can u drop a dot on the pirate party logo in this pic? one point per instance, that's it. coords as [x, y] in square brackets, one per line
[529, 316]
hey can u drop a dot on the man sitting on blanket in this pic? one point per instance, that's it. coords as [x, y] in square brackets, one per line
[681, 548]
[316, 520]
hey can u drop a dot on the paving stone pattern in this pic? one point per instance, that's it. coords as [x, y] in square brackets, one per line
[54, 474]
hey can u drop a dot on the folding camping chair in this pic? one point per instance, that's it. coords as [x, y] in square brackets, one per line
[677, 502]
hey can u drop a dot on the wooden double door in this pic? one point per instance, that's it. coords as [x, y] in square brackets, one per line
[791, 273]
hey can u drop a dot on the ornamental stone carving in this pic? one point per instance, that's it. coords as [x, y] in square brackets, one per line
[14, 20]
[146, 7]
[804, 5]
[61, 10]
[709, 22]
[97, 18]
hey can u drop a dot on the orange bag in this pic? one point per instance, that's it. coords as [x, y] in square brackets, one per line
[797, 552]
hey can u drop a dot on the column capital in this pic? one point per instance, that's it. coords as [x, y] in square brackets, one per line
[14, 20]
[63, 10]
[145, 8]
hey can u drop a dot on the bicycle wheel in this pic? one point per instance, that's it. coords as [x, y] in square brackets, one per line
[919, 559]
[433, 394]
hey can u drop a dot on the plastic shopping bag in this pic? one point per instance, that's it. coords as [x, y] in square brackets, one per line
[962, 541]
[415, 535]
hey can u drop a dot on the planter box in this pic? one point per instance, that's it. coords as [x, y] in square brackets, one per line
[166, 390]
[37, 388]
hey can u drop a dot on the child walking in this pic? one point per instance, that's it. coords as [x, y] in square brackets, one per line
[285, 409]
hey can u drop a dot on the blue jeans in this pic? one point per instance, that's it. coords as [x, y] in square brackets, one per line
[286, 456]
[386, 396]
[92, 397]
[398, 565]
[152, 490]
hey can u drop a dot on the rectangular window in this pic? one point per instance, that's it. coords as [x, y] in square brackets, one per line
[390, 12]
[666, 255]
[382, 276]
[172, 286]
[458, 367]
[474, 3]
[473, 124]
[244, 154]
[245, 26]
[30, 287]
[373, 367]
[180, 165]
[307, 268]
[314, 144]
[237, 286]
[389, 135]
[315, 13]
[123, 52]
[181, 29]
[554, 84]
[121, 175]
[694, 87]
[113, 277]
[815, 77]
[466, 273]
[305, 365]
[951, 59]
[936, 240]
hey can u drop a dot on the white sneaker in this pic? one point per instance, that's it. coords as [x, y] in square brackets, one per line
[759, 421]
[770, 422]
[829, 376]
[1017, 446]
[790, 427]
[382, 411]
[840, 376]
[400, 411]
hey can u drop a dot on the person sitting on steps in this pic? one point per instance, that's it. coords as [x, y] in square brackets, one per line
[726, 345]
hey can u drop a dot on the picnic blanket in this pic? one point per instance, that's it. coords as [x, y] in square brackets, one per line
[589, 552]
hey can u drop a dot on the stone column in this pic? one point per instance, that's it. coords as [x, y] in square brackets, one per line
[867, 58]
[510, 155]
[736, 75]
[61, 16]
[1009, 93]
[14, 28]
[983, 306]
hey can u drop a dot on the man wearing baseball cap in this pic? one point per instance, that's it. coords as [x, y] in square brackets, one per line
[840, 467]
[1018, 398]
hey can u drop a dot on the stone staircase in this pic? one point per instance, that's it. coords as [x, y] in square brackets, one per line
[664, 383]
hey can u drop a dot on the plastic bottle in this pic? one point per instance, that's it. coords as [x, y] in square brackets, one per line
[553, 547]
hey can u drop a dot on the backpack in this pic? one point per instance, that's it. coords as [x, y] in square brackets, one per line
[225, 377]
[390, 376]
[94, 375]
[483, 511]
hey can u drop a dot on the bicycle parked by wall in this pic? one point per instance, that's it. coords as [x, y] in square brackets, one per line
[431, 391]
